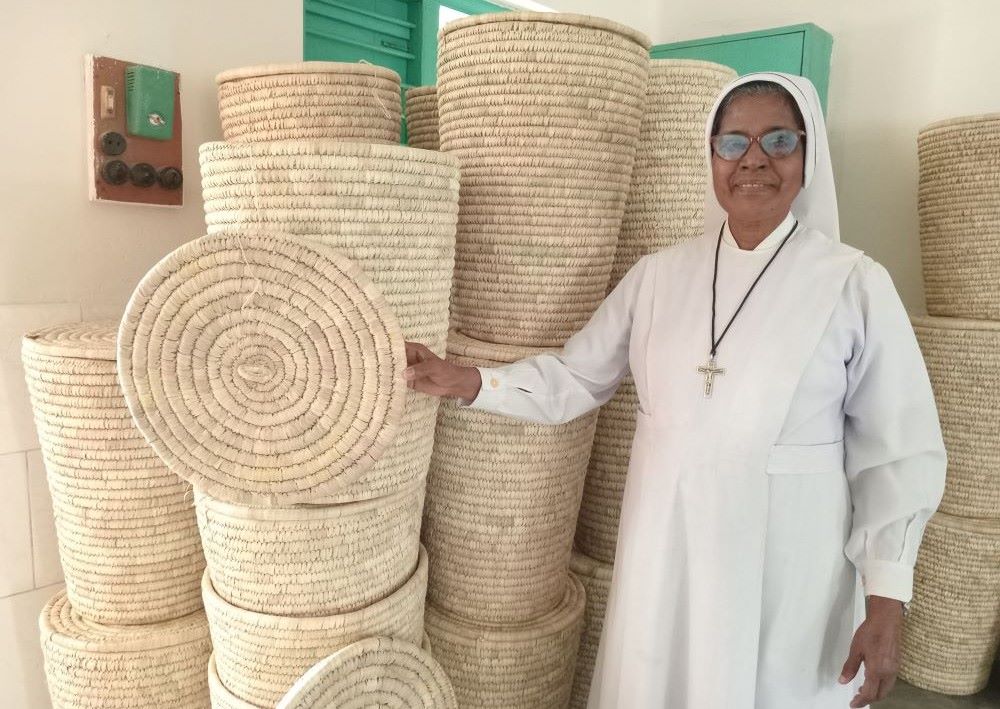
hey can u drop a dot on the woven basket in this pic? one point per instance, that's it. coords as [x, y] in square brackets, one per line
[93, 666]
[127, 535]
[374, 672]
[333, 100]
[963, 360]
[959, 207]
[953, 629]
[422, 118]
[260, 656]
[222, 698]
[390, 208]
[596, 579]
[523, 666]
[262, 368]
[311, 561]
[543, 111]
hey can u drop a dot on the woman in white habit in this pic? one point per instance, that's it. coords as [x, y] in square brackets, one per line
[787, 454]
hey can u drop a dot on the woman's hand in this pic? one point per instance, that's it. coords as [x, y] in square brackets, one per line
[429, 374]
[876, 643]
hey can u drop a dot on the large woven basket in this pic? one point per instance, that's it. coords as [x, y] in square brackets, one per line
[596, 579]
[260, 656]
[422, 118]
[93, 666]
[959, 206]
[126, 529]
[953, 629]
[543, 110]
[963, 360]
[311, 560]
[222, 698]
[522, 666]
[342, 101]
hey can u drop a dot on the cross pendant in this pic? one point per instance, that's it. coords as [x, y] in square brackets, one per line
[710, 370]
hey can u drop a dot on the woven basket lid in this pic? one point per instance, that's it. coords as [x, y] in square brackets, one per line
[468, 349]
[81, 340]
[364, 68]
[378, 671]
[965, 324]
[989, 120]
[422, 92]
[558, 18]
[262, 368]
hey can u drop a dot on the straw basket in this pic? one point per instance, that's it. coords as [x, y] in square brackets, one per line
[543, 111]
[596, 579]
[953, 629]
[524, 666]
[963, 360]
[959, 206]
[127, 536]
[259, 656]
[341, 101]
[262, 368]
[93, 666]
[422, 118]
[222, 698]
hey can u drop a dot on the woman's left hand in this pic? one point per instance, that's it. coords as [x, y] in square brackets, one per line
[876, 644]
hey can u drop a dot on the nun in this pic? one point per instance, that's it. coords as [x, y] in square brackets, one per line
[787, 454]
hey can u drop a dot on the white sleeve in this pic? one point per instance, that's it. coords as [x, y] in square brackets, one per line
[895, 456]
[555, 388]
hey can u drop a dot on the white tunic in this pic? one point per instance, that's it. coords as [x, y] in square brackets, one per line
[749, 516]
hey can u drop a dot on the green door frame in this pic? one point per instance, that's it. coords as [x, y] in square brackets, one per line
[425, 15]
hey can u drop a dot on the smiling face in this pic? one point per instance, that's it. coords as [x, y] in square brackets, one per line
[756, 187]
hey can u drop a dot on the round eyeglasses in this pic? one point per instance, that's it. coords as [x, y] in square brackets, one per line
[778, 143]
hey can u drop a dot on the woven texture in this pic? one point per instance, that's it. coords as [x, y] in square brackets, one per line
[127, 536]
[422, 118]
[953, 629]
[543, 111]
[963, 361]
[222, 698]
[523, 666]
[92, 666]
[375, 672]
[259, 656]
[331, 100]
[596, 579]
[262, 368]
[959, 207]
[311, 560]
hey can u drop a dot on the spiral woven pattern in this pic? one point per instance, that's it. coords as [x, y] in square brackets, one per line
[222, 698]
[93, 666]
[422, 118]
[127, 536]
[375, 672]
[260, 656]
[311, 560]
[953, 629]
[596, 579]
[543, 111]
[959, 207]
[262, 368]
[521, 666]
[331, 100]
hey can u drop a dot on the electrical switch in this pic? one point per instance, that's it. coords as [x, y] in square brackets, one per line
[149, 102]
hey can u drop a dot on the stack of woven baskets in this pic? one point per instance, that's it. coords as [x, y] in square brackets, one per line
[422, 118]
[543, 113]
[953, 629]
[129, 630]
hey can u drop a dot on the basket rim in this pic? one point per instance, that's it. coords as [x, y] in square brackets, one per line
[326, 147]
[558, 18]
[38, 342]
[939, 322]
[314, 67]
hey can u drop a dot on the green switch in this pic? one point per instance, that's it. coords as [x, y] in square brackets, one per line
[149, 102]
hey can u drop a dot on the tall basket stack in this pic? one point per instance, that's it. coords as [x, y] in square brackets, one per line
[422, 118]
[129, 627]
[953, 629]
[543, 113]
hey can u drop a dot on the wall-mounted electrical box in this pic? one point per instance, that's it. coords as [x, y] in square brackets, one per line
[134, 141]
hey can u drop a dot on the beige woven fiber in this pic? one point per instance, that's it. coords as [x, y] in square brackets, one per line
[953, 629]
[959, 207]
[543, 111]
[332, 100]
[262, 368]
[222, 698]
[374, 672]
[127, 535]
[311, 560]
[422, 118]
[524, 666]
[596, 579]
[963, 360]
[260, 656]
[92, 666]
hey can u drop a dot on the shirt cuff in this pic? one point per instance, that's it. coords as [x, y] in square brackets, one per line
[890, 579]
[490, 390]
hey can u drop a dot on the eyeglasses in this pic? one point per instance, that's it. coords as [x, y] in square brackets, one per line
[778, 143]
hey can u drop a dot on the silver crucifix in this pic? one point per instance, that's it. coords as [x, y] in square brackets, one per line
[710, 370]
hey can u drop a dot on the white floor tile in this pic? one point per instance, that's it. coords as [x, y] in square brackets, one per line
[44, 546]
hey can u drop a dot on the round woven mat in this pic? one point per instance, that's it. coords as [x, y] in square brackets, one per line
[596, 579]
[422, 118]
[374, 672]
[262, 368]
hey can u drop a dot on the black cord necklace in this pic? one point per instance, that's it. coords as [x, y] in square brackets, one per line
[710, 370]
